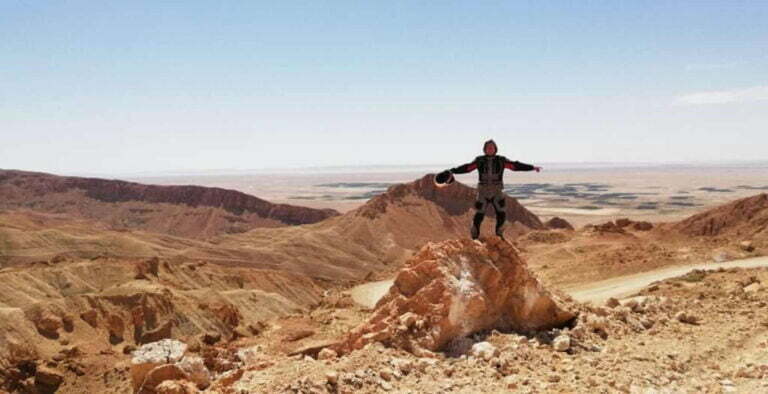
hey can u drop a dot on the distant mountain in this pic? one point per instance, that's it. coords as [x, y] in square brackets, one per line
[188, 211]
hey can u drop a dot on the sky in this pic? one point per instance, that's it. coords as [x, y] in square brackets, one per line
[148, 86]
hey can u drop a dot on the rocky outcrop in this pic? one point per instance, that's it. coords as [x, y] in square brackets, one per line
[155, 362]
[455, 199]
[607, 228]
[642, 226]
[558, 223]
[638, 226]
[44, 310]
[745, 217]
[456, 288]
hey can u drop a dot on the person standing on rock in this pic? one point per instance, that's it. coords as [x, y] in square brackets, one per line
[490, 186]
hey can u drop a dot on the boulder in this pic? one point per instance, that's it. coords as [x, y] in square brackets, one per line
[158, 375]
[91, 317]
[160, 352]
[48, 377]
[195, 369]
[562, 343]
[687, 318]
[116, 328]
[642, 226]
[153, 355]
[176, 387]
[557, 223]
[747, 246]
[46, 321]
[327, 354]
[456, 288]
[483, 350]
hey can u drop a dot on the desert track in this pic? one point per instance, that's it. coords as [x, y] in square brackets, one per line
[369, 293]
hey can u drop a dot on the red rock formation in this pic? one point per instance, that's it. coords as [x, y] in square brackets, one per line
[455, 288]
[108, 190]
[557, 223]
[455, 199]
[638, 226]
[609, 227]
[642, 226]
[86, 197]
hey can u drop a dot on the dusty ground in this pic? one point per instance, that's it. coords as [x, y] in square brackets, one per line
[719, 344]
[724, 350]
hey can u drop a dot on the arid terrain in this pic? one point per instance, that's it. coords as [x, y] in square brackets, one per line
[616, 285]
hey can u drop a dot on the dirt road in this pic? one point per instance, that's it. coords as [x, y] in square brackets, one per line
[369, 293]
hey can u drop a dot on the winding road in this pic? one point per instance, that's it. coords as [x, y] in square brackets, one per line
[369, 294]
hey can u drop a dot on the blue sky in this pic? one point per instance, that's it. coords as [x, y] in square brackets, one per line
[117, 87]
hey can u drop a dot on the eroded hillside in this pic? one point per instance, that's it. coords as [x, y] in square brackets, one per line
[187, 211]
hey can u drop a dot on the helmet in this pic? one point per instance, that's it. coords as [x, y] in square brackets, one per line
[444, 178]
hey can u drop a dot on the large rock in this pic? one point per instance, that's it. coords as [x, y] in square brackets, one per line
[158, 375]
[643, 226]
[558, 223]
[153, 355]
[160, 352]
[455, 288]
[483, 350]
[562, 343]
[116, 328]
[45, 320]
[196, 371]
[48, 377]
[176, 387]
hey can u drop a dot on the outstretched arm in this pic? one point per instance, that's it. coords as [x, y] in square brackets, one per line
[518, 166]
[465, 168]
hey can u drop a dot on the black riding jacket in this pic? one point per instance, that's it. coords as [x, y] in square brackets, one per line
[491, 168]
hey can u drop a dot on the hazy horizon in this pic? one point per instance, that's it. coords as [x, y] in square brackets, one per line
[394, 169]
